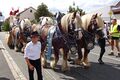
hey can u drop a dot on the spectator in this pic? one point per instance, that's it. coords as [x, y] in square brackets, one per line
[114, 34]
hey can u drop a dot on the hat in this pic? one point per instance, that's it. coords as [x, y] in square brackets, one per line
[35, 33]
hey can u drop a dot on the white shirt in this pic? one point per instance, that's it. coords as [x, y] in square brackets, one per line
[32, 51]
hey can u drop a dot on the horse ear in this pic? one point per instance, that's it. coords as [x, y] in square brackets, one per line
[46, 19]
[100, 14]
[55, 14]
[95, 16]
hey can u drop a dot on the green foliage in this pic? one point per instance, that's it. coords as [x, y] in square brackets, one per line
[6, 26]
[73, 9]
[34, 22]
[42, 10]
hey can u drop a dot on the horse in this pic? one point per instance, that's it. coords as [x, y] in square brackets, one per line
[18, 35]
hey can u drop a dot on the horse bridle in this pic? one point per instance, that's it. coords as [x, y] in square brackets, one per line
[72, 36]
[90, 34]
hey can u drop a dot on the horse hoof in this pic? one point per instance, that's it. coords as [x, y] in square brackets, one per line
[52, 64]
[78, 62]
[17, 50]
[65, 69]
[86, 65]
[45, 66]
[70, 59]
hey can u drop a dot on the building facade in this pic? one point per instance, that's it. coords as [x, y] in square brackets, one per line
[27, 13]
[116, 11]
[109, 12]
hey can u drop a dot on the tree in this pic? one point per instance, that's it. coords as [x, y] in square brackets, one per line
[73, 9]
[6, 25]
[42, 10]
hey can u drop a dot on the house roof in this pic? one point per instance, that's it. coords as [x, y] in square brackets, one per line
[117, 5]
[25, 10]
[116, 8]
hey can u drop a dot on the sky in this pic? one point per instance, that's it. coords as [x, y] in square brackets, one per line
[53, 5]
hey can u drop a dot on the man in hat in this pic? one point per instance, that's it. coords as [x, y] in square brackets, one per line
[32, 56]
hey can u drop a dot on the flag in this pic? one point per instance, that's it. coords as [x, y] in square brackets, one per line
[13, 12]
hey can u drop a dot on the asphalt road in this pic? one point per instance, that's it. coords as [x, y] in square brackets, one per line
[109, 71]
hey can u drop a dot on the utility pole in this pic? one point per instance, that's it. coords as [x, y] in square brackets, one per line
[110, 14]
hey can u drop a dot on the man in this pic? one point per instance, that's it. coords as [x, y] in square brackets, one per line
[115, 34]
[32, 56]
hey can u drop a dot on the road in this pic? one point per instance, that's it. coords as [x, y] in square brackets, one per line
[13, 66]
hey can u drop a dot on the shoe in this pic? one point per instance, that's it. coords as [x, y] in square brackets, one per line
[100, 61]
[118, 55]
[111, 54]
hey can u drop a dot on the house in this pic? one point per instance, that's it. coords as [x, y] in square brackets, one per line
[110, 11]
[116, 11]
[27, 13]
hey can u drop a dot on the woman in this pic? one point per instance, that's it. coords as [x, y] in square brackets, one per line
[101, 38]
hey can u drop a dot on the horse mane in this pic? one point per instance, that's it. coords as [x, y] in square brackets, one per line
[87, 18]
[25, 22]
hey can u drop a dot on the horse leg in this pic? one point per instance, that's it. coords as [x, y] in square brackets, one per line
[64, 63]
[54, 60]
[78, 61]
[43, 58]
[85, 59]
[23, 47]
[10, 42]
[16, 42]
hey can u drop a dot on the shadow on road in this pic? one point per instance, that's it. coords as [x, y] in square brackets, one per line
[108, 71]
[3, 78]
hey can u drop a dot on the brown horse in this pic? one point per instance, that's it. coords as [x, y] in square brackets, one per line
[18, 35]
[15, 39]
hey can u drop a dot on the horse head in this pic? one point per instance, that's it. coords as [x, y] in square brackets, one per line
[70, 26]
[70, 22]
[92, 24]
[96, 25]
[25, 27]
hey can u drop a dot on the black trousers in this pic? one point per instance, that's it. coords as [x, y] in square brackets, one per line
[37, 66]
[102, 43]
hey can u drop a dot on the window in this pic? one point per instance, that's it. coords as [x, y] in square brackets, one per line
[31, 11]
